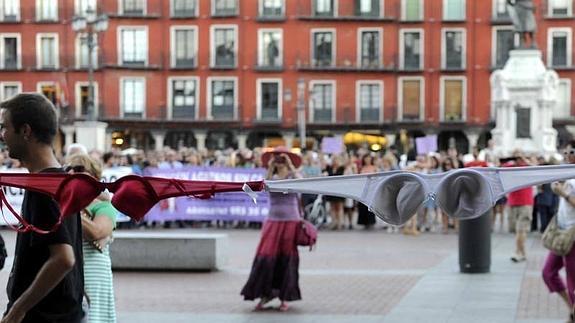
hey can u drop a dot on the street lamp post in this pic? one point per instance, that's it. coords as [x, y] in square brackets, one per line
[91, 133]
[90, 24]
[301, 113]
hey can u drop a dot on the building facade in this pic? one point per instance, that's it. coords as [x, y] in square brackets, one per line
[219, 73]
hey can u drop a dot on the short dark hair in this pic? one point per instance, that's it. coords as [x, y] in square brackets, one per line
[107, 156]
[36, 111]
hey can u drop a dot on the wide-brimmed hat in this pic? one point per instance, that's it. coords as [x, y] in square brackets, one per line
[295, 159]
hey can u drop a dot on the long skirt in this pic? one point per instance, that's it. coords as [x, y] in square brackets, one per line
[275, 268]
[364, 217]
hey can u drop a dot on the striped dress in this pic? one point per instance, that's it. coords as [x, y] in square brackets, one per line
[98, 281]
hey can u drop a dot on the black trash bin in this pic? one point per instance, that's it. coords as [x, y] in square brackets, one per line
[475, 244]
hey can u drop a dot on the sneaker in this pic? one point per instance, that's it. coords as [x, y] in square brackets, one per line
[518, 258]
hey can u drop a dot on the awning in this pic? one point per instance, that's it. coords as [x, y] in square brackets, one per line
[355, 138]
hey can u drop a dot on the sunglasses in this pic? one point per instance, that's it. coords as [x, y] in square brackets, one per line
[76, 169]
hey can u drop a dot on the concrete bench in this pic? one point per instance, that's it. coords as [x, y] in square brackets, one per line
[140, 250]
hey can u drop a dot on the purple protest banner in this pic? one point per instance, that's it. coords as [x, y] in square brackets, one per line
[224, 206]
[332, 145]
[425, 145]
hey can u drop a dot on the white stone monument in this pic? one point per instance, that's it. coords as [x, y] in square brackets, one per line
[91, 134]
[523, 96]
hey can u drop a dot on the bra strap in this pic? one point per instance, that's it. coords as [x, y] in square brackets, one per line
[25, 226]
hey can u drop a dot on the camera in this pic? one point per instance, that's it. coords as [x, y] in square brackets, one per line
[279, 159]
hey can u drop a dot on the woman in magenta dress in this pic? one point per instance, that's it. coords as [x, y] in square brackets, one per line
[275, 268]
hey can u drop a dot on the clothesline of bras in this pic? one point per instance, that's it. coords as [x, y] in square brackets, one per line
[393, 196]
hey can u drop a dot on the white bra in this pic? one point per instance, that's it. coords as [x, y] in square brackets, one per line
[397, 195]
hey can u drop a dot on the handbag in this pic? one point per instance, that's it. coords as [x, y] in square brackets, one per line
[306, 234]
[559, 241]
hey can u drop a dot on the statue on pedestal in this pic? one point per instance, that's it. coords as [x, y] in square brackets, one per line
[522, 13]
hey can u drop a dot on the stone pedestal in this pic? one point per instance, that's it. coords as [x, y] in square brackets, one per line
[91, 134]
[523, 95]
[138, 250]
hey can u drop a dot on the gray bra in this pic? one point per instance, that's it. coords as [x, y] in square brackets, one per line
[397, 195]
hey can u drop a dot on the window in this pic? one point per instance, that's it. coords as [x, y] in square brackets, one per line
[562, 108]
[183, 97]
[9, 89]
[504, 41]
[500, 9]
[9, 10]
[369, 101]
[224, 7]
[370, 48]
[47, 51]
[46, 10]
[323, 48]
[133, 97]
[132, 7]
[411, 99]
[322, 101]
[269, 99]
[453, 98]
[50, 91]
[271, 8]
[412, 10]
[454, 10]
[82, 95]
[10, 51]
[224, 46]
[222, 98]
[184, 8]
[133, 46]
[411, 49]
[367, 8]
[82, 59]
[82, 6]
[560, 8]
[323, 8]
[559, 47]
[453, 49]
[270, 53]
[184, 46]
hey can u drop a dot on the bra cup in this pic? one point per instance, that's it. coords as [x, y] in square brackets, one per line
[132, 197]
[398, 198]
[464, 195]
[76, 193]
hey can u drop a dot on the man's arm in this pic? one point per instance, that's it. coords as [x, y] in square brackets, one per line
[60, 262]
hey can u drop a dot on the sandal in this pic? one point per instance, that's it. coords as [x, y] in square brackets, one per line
[283, 307]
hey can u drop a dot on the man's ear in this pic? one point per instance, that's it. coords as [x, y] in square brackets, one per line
[26, 131]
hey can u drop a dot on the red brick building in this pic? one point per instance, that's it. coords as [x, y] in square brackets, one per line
[225, 72]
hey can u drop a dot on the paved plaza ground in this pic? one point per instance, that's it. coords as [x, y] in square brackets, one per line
[352, 276]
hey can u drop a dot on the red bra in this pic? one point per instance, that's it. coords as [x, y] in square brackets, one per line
[133, 195]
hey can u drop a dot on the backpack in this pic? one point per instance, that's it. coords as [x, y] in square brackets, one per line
[3, 253]
[306, 234]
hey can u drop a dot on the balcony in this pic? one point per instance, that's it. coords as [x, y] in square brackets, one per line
[369, 115]
[222, 113]
[225, 11]
[188, 13]
[184, 64]
[271, 15]
[345, 65]
[322, 115]
[151, 10]
[10, 19]
[184, 112]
